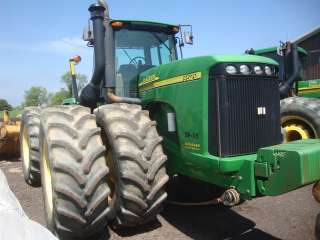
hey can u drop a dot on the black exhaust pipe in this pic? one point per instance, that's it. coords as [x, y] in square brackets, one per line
[287, 85]
[91, 93]
[104, 54]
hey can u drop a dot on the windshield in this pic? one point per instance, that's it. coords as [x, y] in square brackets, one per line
[138, 51]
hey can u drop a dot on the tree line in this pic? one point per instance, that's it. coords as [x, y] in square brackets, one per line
[40, 96]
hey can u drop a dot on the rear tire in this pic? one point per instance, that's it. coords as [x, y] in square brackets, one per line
[136, 161]
[73, 171]
[29, 145]
[300, 118]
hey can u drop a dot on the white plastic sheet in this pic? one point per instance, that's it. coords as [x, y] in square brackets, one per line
[14, 223]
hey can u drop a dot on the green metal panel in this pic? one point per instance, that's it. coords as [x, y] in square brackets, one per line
[182, 87]
[290, 166]
[309, 88]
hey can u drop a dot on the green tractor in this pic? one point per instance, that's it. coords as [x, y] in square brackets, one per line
[147, 116]
[300, 104]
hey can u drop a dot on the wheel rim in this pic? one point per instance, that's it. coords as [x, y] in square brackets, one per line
[295, 132]
[47, 183]
[297, 128]
[25, 150]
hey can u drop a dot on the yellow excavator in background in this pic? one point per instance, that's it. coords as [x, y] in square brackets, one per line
[9, 136]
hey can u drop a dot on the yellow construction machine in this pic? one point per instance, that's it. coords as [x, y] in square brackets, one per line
[9, 136]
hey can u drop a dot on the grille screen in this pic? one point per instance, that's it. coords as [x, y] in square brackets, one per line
[244, 114]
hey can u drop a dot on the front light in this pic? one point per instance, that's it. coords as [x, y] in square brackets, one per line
[257, 70]
[268, 70]
[231, 69]
[244, 69]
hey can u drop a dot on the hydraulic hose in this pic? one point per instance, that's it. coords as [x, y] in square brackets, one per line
[229, 198]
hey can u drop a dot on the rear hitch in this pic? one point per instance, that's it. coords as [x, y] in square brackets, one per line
[230, 197]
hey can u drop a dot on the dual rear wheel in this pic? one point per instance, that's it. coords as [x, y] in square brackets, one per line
[95, 168]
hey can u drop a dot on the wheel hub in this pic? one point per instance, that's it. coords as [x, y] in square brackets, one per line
[296, 132]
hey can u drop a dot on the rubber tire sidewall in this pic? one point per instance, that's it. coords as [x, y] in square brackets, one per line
[25, 168]
[50, 224]
[34, 181]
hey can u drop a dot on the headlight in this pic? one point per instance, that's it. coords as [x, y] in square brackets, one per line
[257, 70]
[231, 69]
[244, 69]
[268, 70]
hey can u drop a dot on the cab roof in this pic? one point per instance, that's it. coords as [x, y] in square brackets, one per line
[274, 49]
[146, 23]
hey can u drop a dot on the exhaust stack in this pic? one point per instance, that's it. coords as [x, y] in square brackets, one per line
[104, 55]
[286, 86]
[91, 93]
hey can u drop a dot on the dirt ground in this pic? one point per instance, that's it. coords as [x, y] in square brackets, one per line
[290, 216]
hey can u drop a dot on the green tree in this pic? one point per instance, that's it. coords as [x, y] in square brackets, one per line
[59, 96]
[82, 81]
[4, 105]
[36, 96]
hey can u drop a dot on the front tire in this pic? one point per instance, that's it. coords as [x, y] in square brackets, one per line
[136, 161]
[73, 171]
[29, 145]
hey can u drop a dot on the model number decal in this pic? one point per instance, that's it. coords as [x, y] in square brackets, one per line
[193, 135]
[192, 76]
[153, 81]
[279, 154]
[190, 138]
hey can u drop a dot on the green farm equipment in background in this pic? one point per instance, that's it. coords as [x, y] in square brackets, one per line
[300, 104]
[218, 117]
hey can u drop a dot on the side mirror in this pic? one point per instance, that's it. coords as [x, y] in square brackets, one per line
[279, 51]
[188, 38]
[88, 34]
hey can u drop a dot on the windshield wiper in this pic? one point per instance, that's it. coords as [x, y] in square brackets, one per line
[162, 42]
[130, 59]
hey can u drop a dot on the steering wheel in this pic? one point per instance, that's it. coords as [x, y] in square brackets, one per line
[134, 60]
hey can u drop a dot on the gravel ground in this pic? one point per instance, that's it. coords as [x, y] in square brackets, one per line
[290, 216]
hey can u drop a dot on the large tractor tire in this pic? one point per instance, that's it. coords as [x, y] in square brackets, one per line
[74, 173]
[136, 162]
[29, 145]
[300, 118]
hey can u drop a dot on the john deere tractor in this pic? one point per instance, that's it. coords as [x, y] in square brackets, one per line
[300, 104]
[147, 116]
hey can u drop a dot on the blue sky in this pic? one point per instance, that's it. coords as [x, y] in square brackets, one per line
[38, 37]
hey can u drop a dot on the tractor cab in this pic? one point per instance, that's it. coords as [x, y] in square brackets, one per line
[140, 46]
[291, 59]
[123, 49]
[283, 55]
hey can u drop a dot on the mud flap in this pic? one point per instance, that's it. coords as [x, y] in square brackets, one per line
[285, 167]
